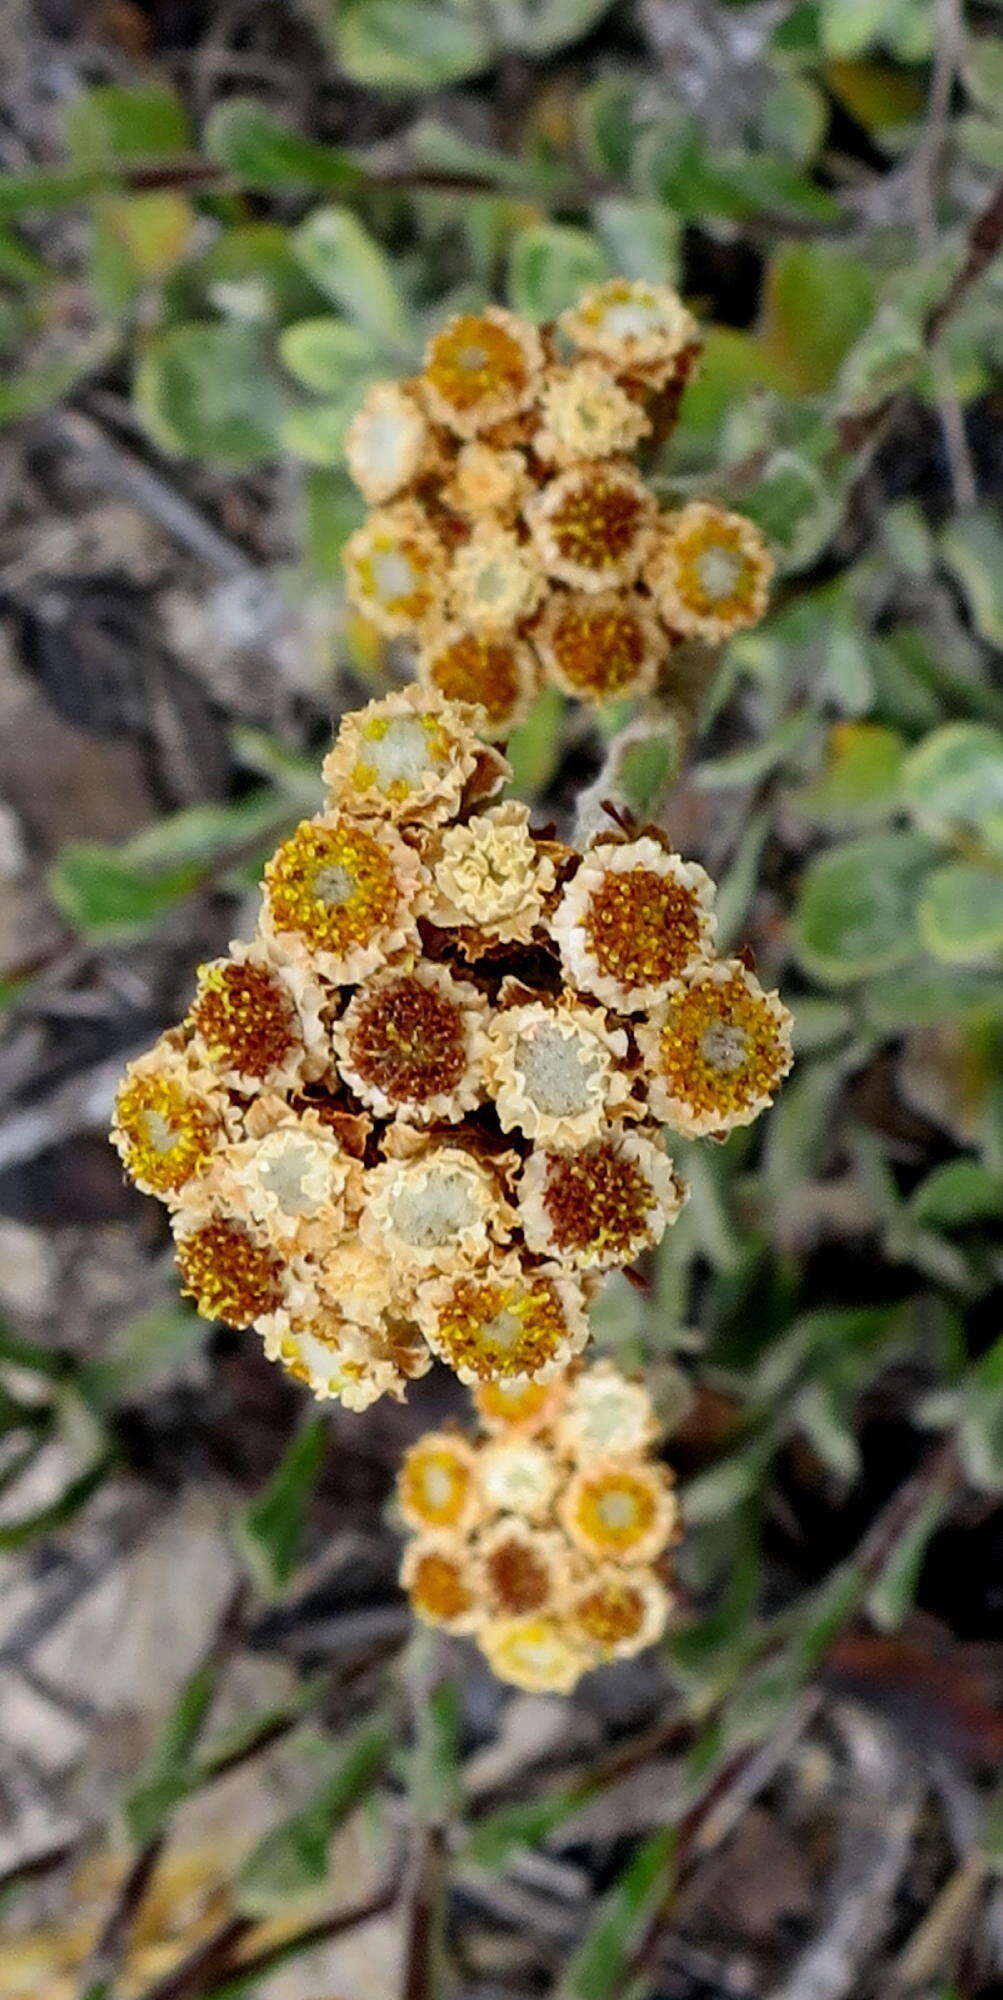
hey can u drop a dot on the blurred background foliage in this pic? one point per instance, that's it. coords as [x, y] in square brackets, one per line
[212, 238]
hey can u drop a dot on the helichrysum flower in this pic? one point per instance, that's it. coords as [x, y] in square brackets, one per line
[551, 1566]
[387, 442]
[411, 1043]
[437, 1211]
[601, 646]
[709, 572]
[437, 1488]
[631, 324]
[717, 1052]
[394, 569]
[605, 1415]
[258, 1020]
[618, 1510]
[616, 1612]
[538, 1653]
[504, 475]
[634, 922]
[495, 580]
[340, 894]
[497, 671]
[435, 1573]
[601, 1206]
[586, 414]
[171, 1118]
[490, 876]
[410, 757]
[593, 525]
[509, 1319]
[518, 1408]
[556, 1070]
[330, 1356]
[290, 1177]
[481, 369]
[518, 1568]
[228, 1267]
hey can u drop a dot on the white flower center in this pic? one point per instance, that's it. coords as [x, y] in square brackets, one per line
[432, 1211]
[723, 1045]
[394, 575]
[399, 752]
[438, 1485]
[617, 1509]
[160, 1133]
[296, 1171]
[386, 443]
[333, 885]
[718, 570]
[560, 1073]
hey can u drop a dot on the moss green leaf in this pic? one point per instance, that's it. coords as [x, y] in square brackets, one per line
[549, 265]
[856, 911]
[210, 391]
[961, 912]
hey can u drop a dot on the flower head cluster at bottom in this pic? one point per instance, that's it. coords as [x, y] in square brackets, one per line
[545, 1537]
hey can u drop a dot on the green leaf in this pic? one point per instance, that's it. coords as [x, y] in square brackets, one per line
[316, 432]
[269, 1530]
[892, 1597]
[796, 505]
[408, 44]
[885, 359]
[982, 69]
[972, 548]
[926, 995]
[20, 1534]
[292, 1857]
[641, 239]
[794, 118]
[859, 781]
[209, 391]
[856, 910]
[263, 152]
[433, 1765]
[165, 1778]
[961, 912]
[105, 897]
[745, 767]
[330, 356]
[31, 389]
[956, 1195]
[602, 1962]
[954, 779]
[541, 27]
[525, 1823]
[533, 750]
[114, 122]
[348, 265]
[818, 298]
[334, 509]
[549, 265]
[980, 1427]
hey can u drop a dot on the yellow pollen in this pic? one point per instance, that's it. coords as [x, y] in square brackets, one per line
[170, 1133]
[498, 1330]
[611, 1613]
[437, 1589]
[479, 669]
[245, 1018]
[601, 651]
[333, 886]
[720, 1049]
[435, 1486]
[596, 1198]
[616, 1510]
[474, 359]
[229, 1276]
[643, 927]
[597, 522]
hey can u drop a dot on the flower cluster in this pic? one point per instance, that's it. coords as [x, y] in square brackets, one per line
[421, 1113]
[545, 1537]
[512, 536]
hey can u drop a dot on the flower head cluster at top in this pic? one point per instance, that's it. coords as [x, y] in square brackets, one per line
[421, 1112]
[512, 537]
[546, 1536]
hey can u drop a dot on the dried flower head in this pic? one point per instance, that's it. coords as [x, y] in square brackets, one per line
[257, 1020]
[290, 1177]
[395, 566]
[228, 1268]
[634, 922]
[411, 1043]
[537, 1653]
[617, 1510]
[438, 1211]
[495, 580]
[630, 323]
[435, 1573]
[555, 1555]
[387, 442]
[411, 756]
[488, 480]
[170, 1120]
[601, 1206]
[717, 1052]
[593, 525]
[556, 1070]
[617, 1613]
[493, 670]
[340, 895]
[509, 1319]
[601, 646]
[437, 1488]
[491, 876]
[481, 369]
[586, 414]
[518, 1569]
[330, 1356]
[709, 572]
